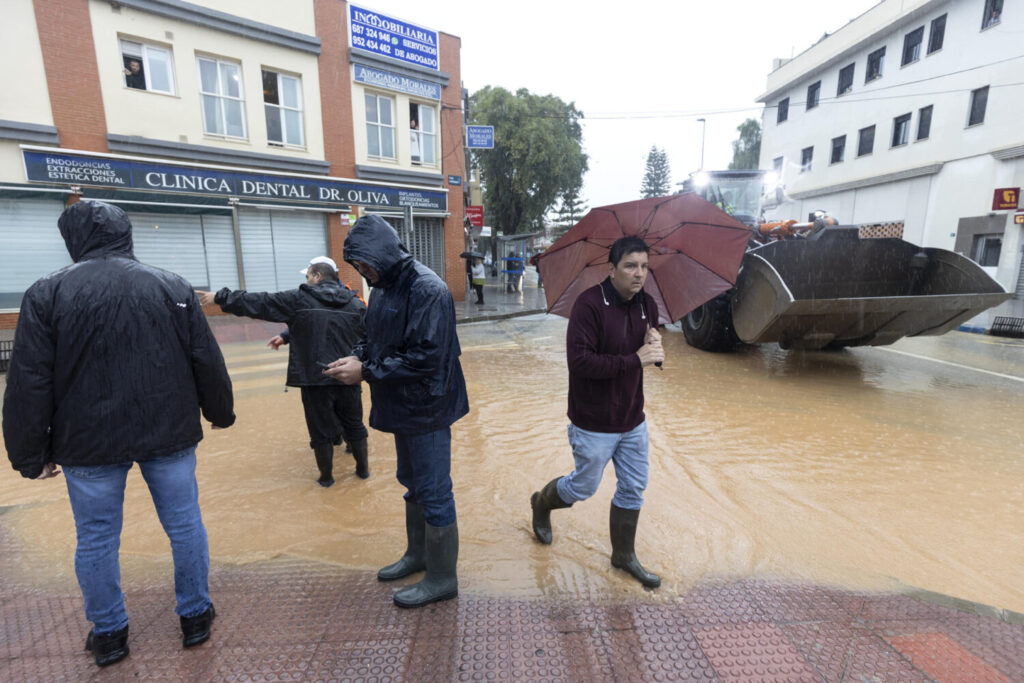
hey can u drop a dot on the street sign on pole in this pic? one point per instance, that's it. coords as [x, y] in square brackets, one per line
[480, 137]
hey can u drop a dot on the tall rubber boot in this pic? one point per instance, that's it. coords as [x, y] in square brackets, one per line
[414, 558]
[325, 463]
[623, 532]
[441, 581]
[362, 458]
[543, 502]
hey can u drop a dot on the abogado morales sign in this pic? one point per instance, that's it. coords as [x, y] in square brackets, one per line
[74, 169]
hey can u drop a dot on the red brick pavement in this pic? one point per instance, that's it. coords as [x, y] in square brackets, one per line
[290, 620]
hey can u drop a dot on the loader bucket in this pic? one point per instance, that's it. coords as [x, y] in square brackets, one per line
[840, 290]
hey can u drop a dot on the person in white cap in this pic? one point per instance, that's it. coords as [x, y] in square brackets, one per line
[325, 322]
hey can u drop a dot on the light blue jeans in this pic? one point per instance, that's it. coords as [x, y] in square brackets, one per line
[97, 500]
[591, 452]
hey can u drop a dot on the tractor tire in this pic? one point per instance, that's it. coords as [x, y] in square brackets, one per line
[709, 326]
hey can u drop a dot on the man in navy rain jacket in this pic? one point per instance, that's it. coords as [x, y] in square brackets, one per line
[410, 359]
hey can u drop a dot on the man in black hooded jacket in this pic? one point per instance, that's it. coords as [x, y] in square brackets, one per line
[410, 359]
[113, 362]
[325, 321]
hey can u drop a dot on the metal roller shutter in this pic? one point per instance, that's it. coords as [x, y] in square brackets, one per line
[173, 242]
[276, 245]
[30, 246]
[426, 244]
[221, 263]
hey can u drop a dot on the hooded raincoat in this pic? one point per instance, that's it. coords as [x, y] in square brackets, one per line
[411, 354]
[113, 360]
[325, 322]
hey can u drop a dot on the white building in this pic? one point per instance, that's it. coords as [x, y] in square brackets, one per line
[912, 111]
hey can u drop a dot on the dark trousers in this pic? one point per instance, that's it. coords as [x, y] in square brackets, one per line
[424, 469]
[479, 289]
[331, 411]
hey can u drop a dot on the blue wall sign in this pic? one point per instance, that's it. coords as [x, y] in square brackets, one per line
[454, 180]
[386, 79]
[480, 137]
[382, 35]
[76, 169]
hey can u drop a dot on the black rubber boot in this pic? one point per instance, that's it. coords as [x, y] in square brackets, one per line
[543, 502]
[196, 630]
[108, 648]
[623, 531]
[361, 458]
[325, 463]
[441, 581]
[413, 560]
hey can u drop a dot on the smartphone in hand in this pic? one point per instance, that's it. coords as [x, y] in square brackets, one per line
[322, 365]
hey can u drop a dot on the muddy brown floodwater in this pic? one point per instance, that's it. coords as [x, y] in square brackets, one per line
[868, 469]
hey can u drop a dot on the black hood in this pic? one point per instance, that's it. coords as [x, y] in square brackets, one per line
[331, 293]
[374, 242]
[91, 229]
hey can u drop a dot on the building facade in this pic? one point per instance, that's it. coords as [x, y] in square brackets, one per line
[242, 137]
[909, 113]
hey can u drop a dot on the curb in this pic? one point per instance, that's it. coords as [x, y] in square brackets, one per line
[498, 316]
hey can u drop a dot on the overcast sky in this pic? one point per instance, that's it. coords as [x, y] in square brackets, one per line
[641, 71]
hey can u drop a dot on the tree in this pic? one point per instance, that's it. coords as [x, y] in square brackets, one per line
[658, 177]
[746, 152]
[569, 212]
[537, 156]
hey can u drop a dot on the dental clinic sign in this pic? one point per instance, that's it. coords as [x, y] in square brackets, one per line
[382, 35]
[131, 174]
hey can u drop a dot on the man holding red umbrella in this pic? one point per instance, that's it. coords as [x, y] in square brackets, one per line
[612, 336]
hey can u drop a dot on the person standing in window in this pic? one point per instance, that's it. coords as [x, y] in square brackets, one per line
[133, 76]
[414, 141]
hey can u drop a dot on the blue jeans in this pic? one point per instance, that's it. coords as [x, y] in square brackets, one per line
[97, 499]
[424, 469]
[591, 452]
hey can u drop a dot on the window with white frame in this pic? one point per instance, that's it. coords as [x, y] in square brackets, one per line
[423, 134]
[380, 126]
[147, 67]
[282, 105]
[222, 97]
[901, 130]
[912, 46]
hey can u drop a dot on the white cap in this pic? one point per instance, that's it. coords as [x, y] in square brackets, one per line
[321, 259]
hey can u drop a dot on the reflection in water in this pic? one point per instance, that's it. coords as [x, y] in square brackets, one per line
[857, 468]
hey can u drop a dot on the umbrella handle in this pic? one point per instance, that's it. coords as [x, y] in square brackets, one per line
[657, 364]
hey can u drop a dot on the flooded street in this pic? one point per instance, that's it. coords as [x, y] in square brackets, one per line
[867, 468]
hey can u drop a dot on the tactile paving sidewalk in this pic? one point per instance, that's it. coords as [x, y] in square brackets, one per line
[286, 620]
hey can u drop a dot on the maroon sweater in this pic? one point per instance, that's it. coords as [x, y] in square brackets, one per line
[606, 380]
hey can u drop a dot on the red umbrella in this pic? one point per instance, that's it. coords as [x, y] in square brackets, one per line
[696, 250]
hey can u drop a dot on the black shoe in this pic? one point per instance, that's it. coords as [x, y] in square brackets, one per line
[413, 560]
[108, 648]
[196, 630]
[622, 523]
[441, 581]
[324, 454]
[543, 502]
